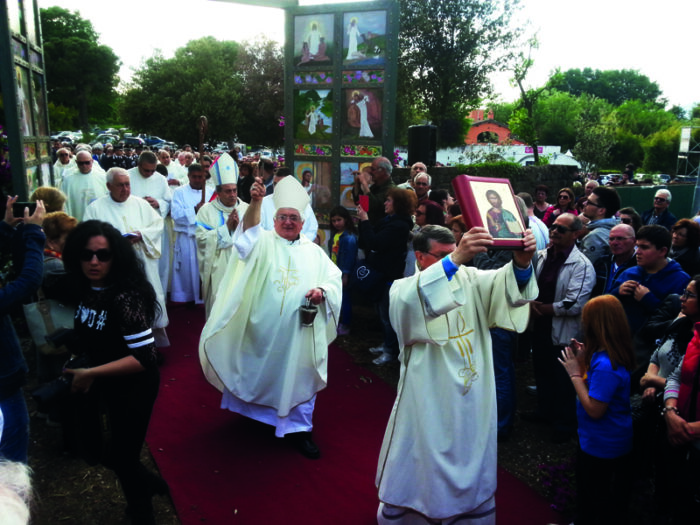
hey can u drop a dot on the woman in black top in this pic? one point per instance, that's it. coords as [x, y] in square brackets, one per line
[113, 395]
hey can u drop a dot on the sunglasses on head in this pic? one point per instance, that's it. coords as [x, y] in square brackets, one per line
[103, 255]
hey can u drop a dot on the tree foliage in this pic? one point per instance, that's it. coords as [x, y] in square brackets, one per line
[237, 87]
[616, 85]
[594, 136]
[80, 73]
[447, 50]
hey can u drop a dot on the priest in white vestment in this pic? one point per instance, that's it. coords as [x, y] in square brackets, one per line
[142, 226]
[438, 458]
[268, 210]
[253, 346]
[187, 200]
[153, 187]
[216, 222]
[63, 165]
[82, 186]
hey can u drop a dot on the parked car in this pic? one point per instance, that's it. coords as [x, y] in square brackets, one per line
[105, 139]
[154, 141]
[133, 142]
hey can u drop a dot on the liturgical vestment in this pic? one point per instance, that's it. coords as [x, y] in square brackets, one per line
[253, 345]
[439, 451]
[214, 245]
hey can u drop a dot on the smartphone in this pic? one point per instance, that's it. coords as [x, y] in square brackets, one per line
[364, 202]
[18, 208]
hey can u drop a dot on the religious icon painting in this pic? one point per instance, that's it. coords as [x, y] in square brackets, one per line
[39, 106]
[315, 177]
[364, 39]
[363, 114]
[313, 114]
[313, 40]
[490, 203]
[24, 101]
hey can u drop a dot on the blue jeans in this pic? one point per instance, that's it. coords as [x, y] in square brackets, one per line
[15, 434]
[503, 342]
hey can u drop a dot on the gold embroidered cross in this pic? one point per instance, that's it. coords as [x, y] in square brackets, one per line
[288, 279]
[466, 350]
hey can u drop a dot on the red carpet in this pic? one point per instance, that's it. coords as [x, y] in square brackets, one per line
[223, 468]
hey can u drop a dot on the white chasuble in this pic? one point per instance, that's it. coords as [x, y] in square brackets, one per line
[214, 246]
[136, 215]
[439, 451]
[253, 343]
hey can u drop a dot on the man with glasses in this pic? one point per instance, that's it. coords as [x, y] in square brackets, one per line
[267, 209]
[659, 214]
[438, 459]
[64, 163]
[622, 243]
[375, 186]
[417, 168]
[421, 185]
[643, 288]
[82, 186]
[256, 348]
[600, 209]
[565, 278]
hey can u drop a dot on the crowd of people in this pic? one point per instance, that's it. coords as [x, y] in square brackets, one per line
[603, 298]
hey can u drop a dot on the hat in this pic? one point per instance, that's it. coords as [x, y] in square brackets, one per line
[225, 170]
[289, 193]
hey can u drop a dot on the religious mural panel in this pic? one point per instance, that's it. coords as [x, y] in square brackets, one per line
[364, 39]
[363, 114]
[313, 114]
[39, 106]
[315, 177]
[348, 172]
[23, 101]
[357, 76]
[313, 40]
[318, 78]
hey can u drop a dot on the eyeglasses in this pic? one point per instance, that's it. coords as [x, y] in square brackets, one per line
[561, 229]
[420, 183]
[63, 154]
[437, 255]
[687, 295]
[564, 196]
[103, 255]
[626, 221]
[594, 204]
[292, 218]
[659, 199]
[84, 162]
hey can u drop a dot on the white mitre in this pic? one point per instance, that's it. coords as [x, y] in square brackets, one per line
[224, 170]
[289, 193]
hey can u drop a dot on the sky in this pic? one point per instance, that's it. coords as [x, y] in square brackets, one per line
[653, 37]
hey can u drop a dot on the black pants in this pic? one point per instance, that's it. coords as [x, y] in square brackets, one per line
[602, 489]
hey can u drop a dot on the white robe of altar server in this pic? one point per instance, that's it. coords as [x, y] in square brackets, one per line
[185, 281]
[155, 186]
[439, 451]
[214, 246]
[81, 189]
[136, 215]
[253, 347]
[61, 170]
[267, 218]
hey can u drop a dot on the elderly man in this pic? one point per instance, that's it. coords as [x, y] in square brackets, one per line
[142, 226]
[255, 324]
[622, 243]
[417, 168]
[587, 190]
[600, 209]
[659, 213]
[565, 278]
[422, 186]
[436, 465]
[82, 186]
[64, 164]
[267, 211]
[216, 222]
[375, 187]
[187, 200]
[177, 176]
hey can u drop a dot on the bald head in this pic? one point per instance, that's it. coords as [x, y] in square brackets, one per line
[84, 161]
[622, 242]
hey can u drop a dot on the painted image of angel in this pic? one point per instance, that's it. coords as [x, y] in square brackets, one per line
[312, 120]
[354, 35]
[357, 114]
[313, 39]
[501, 223]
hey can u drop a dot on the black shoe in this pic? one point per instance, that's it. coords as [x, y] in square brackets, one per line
[535, 417]
[304, 444]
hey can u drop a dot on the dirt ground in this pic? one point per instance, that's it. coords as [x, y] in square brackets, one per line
[71, 493]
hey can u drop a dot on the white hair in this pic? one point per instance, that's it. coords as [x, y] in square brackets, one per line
[664, 193]
[426, 175]
[15, 493]
[111, 172]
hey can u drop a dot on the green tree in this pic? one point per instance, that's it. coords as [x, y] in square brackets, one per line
[447, 50]
[238, 87]
[642, 118]
[522, 122]
[661, 151]
[627, 147]
[616, 85]
[556, 118]
[80, 73]
[595, 134]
